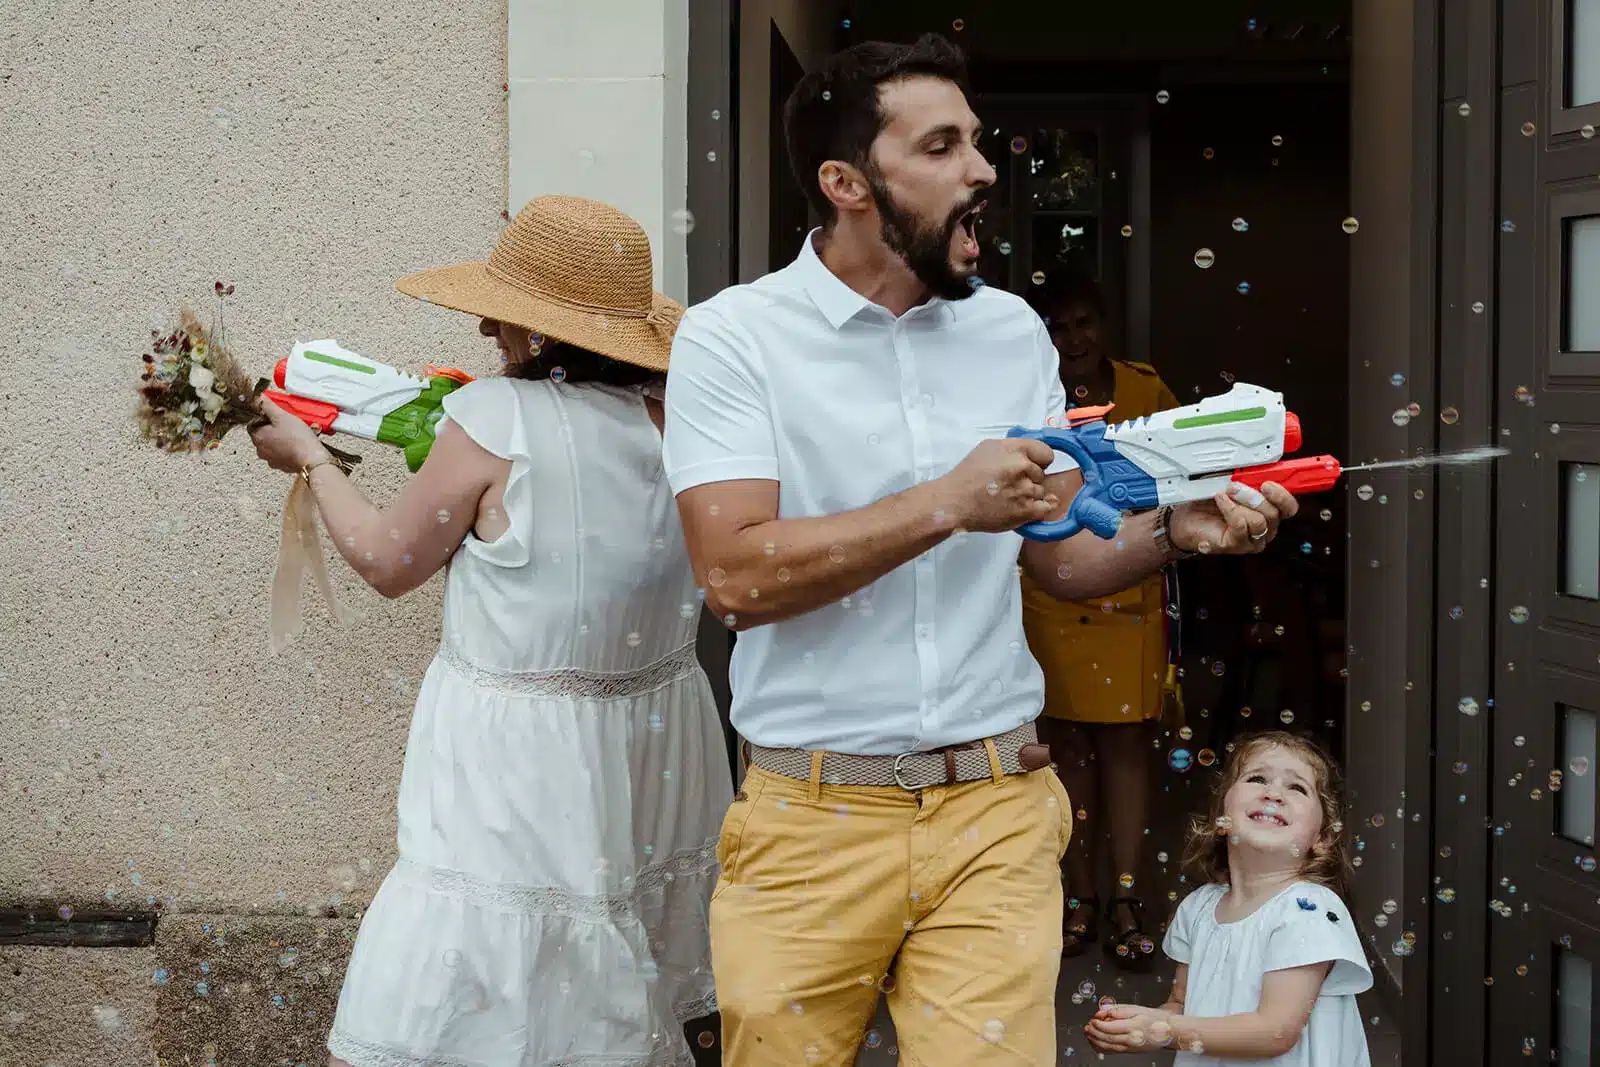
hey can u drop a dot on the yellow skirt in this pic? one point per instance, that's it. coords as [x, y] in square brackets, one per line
[1104, 660]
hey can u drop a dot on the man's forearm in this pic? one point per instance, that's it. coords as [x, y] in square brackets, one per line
[1084, 566]
[788, 567]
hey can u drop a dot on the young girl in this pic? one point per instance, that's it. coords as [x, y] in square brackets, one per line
[1269, 963]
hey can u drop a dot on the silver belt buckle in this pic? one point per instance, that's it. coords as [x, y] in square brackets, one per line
[899, 773]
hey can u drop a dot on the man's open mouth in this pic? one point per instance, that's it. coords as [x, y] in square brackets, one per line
[968, 222]
[1269, 818]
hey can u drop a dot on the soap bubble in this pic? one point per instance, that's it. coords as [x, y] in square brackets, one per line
[1397, 379]
[1519, 614]
[1529, 129]
[1579, 765]
[683, 222]
[1351, 224]
[958, 25]
[1209, 153]
[1162, 96]
[1401, 417]
[1240, 226]
[1037, 278]
[1127, 231]
[1019, 144]
[1364, 492]
[1464, 110]
[1204, 258]
[1179, 759]
[1004, 247]
[1326, 514]
[1449, 416]
[1244, 288]
[1586, 131]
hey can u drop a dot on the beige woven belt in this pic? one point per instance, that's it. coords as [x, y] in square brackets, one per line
[1015, 752]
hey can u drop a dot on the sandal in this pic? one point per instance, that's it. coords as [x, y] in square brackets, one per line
[1077, 932]
[1133, 948]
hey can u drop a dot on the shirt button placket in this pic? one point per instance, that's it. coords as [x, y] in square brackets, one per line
[924, 571]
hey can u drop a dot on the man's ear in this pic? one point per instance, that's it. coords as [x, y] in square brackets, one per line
[845, 186]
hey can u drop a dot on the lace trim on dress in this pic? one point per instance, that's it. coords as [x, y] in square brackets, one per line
[697, 861]
[359, 1053]
[573, 682]
[696, 1007]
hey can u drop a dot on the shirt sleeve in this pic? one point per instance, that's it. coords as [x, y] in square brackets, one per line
[1055, 405]
[1179, 942]
[1313, 926]
[718, 422]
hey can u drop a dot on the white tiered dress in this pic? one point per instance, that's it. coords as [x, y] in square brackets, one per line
[566, 774]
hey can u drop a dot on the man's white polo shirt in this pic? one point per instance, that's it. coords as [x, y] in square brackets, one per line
[798, 378]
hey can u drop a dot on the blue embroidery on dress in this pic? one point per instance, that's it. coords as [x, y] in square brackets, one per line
[1305, 903]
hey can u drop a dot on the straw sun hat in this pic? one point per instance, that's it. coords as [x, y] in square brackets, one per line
[574, 270]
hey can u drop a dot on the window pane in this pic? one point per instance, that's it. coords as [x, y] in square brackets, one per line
[1582, 282]
[1583, 52]
[1579, 770]
[1574, 981]
[1580, 534]
[1064, 170]
[1067, 242]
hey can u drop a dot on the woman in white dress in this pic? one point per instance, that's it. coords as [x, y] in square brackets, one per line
[566, 772]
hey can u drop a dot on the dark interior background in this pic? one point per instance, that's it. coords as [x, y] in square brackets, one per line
[1263, 639]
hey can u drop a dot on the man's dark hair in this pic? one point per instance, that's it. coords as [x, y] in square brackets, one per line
[833, 113]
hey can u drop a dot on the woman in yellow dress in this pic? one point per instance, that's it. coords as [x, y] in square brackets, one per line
[1104, 660]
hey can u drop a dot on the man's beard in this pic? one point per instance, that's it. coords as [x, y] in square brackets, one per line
[926, 249]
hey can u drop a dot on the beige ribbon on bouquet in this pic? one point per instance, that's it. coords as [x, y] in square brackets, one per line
[299, 552]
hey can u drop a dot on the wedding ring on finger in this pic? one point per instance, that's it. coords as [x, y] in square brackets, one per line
[1262, 536]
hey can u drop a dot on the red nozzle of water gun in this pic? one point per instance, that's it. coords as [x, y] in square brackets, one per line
[316, 414]
[280, 372]
[1291, 433]
[1314, 474]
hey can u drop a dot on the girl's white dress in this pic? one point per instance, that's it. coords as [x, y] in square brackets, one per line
[566, 773]
[1306, 923]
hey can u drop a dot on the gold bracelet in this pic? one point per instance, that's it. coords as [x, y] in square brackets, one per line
[305, 471]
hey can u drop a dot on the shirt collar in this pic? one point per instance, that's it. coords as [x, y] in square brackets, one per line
[837, 301]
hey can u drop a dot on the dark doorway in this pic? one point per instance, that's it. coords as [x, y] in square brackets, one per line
[788, 210]
[1224, 134]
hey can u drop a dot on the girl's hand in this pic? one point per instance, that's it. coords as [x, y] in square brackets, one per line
[286, 443]
[1129, 1028]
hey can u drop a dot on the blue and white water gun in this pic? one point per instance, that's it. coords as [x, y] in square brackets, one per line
[1175, 456]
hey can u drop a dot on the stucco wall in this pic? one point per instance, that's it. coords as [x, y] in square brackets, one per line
[154, 755]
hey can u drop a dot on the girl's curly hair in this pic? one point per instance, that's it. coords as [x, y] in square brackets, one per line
[1327, 862]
